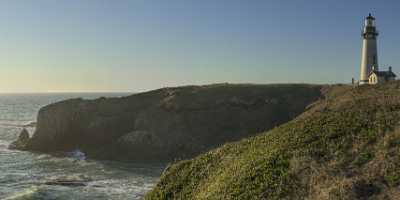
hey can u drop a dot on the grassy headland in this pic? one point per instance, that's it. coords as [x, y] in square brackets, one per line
[343, 147]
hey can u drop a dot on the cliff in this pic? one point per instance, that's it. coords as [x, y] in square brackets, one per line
[344, 147]
[169, 123]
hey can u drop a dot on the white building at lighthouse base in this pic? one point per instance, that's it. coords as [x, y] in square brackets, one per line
[380, 77]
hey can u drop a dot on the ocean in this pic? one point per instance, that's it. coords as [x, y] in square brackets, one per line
[27, 175]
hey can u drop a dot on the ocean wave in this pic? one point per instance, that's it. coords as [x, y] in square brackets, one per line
[8, 124]
[43, 156]
[30, 124]
[117, 187]
[4, 145]
[25, 194]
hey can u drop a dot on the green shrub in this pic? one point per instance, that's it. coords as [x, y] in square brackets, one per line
[363, 158]
[393, 180]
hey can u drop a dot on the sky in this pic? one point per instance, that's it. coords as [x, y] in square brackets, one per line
[139, 45]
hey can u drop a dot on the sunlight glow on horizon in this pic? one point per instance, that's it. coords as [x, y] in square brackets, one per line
[134, 46]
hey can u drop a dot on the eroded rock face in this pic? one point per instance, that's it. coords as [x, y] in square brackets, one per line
[169, 123]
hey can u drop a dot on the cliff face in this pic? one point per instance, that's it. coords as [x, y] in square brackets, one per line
[346, 146]
[169, 123]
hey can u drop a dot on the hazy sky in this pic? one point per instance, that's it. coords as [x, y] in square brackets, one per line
[136, 45]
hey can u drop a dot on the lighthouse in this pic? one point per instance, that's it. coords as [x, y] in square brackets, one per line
[369, 53]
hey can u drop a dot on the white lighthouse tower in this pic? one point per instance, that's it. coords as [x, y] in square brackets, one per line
[369, 55]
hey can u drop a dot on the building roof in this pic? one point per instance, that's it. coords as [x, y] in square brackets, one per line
[386, 74]
[370, 17]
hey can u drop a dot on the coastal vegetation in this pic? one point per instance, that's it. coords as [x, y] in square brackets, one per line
[345, 146]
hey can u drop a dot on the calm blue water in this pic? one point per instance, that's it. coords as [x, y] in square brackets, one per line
[23, 174]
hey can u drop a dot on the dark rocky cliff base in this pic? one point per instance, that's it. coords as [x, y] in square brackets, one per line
[169, 123]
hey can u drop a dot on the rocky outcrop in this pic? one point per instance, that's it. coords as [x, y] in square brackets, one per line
[22, 141]
[69, 181]
[169, 123]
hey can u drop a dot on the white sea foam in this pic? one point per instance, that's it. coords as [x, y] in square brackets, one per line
[4, 145]
[43, 156]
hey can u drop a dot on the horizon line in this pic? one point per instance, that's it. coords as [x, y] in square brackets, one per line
[145, 90]
[69, 92]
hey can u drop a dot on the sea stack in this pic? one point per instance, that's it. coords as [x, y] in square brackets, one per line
[369, 55]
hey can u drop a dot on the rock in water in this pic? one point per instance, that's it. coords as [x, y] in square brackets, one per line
[69, 181]
[23, 136]
[22, 141]
[77, 155]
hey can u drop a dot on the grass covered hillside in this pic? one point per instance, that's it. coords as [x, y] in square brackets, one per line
[343, 147]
